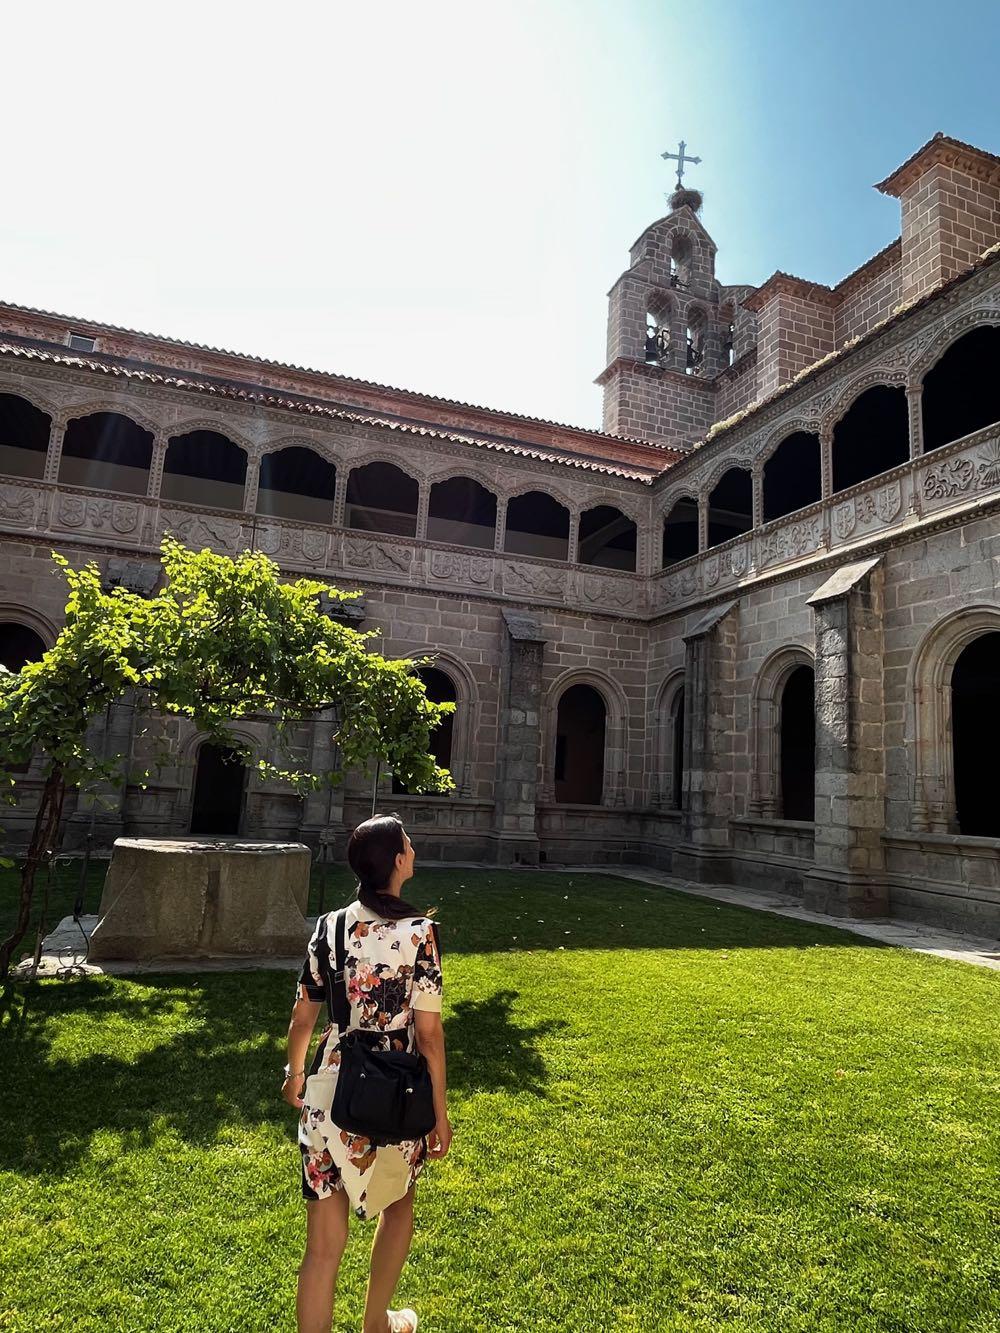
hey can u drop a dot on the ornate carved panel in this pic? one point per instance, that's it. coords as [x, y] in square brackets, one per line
[17, 505]
[198, 530]
[457, 567]
[383, 556]
[97, 514]
[524, 580]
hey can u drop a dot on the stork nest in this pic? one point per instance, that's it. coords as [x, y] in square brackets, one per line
[683, 197]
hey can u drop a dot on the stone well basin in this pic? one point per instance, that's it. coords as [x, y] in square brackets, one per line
[203, 898]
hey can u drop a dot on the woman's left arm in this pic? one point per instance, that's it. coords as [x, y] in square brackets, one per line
[300, 1030]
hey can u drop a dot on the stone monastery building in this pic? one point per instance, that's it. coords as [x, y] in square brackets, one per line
[748, 632]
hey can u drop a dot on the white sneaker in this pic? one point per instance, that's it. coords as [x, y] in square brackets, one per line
[402, 1321]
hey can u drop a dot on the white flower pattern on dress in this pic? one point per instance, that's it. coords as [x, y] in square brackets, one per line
[393, 968]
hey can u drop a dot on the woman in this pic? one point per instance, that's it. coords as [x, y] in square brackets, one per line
[393, 975]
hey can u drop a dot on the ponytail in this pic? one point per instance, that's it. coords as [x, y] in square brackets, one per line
[371, 853]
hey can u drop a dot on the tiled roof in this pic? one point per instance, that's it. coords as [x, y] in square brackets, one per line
[315, 408]
[89, 326]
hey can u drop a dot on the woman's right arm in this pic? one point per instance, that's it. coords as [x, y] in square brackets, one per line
[429, 1034]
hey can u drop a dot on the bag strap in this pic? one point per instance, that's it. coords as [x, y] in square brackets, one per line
[340, 1008]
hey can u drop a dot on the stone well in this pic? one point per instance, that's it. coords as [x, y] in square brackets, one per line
[203, 898]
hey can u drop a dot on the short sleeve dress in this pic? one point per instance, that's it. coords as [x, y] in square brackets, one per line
[393, 968]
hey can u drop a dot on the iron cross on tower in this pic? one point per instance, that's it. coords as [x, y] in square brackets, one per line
[681, 158]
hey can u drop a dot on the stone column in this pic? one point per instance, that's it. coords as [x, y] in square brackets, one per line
[847, 878]
[702, 523]
[757, 483]
[501, 531]
[53, 456]
[573, 541]
[340, 495]
[423, 505]
[156, 464]
[252, 483]
[518, 749]
[914, 395]
[709, 675]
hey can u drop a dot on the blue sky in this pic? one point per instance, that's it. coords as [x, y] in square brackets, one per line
[438, 195]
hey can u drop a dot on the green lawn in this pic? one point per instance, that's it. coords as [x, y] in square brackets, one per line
[669, 1114]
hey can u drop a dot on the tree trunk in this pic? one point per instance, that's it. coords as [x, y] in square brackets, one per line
[43, 840]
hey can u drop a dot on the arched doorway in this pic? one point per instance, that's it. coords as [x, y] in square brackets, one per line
[798, 746]
[975, 734]
[579, 759]
[19, 644]
[440, 690]
[219, 784]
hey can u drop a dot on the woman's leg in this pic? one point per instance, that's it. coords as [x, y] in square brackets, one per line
[326, 1237]
[389, 1250]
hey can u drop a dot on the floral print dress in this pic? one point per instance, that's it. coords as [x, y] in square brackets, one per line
[393, 968]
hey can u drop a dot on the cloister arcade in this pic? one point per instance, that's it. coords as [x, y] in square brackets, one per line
[202, 467]
[870, 432]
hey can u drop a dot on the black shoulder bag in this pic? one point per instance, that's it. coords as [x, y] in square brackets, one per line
[385, 1095]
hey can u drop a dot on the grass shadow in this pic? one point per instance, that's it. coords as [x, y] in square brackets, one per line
[488, 1051]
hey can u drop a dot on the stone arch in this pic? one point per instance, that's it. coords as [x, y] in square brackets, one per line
[25, 430]
[464, 511]
[696, 324]
[852, 391]
[682, 245]
[610, 535]
[774, 438]
[543, 487]
[661, 316]
[765, 710]
[363, 458]
[297, 483]
[615, 729]
[731, 513]
[466, 717]
[791, 476]
[13, 613]
[204, 466]
[118, 407]
[936, 348]
[871, 436]
[187, 769]
[33, 394]
[25, 637]
[668, 740]
[934, 803]
[960, 391]
[220, 425]
[107, 450]
[542, 529]
[401, 518]
[319, 445]
[675, 523]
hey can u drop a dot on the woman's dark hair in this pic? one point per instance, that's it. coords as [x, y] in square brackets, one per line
[371, 853]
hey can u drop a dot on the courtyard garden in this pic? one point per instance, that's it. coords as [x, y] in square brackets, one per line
[668, 1114]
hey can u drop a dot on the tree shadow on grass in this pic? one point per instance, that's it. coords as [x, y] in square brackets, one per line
[488, 1051]
[218, 1065]
[212, 1051]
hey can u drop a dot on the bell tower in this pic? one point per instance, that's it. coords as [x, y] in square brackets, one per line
[668, 335]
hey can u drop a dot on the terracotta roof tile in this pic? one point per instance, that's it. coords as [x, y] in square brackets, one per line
[315, 408]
